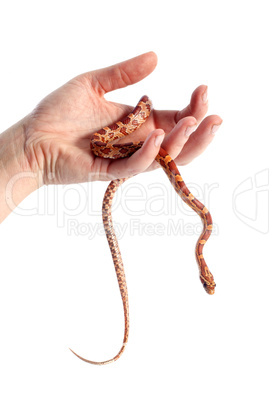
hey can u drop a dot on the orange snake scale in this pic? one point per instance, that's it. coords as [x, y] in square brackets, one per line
[103, 144]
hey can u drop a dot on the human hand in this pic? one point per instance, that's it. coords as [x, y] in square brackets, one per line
[58, 131]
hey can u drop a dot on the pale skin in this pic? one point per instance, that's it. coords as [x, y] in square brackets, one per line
[51, 145]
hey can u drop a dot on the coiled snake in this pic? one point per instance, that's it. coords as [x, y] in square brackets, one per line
[103, 145]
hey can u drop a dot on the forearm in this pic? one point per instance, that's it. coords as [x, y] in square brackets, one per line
[17, 180]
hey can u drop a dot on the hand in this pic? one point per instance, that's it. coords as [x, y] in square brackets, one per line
[58, 130]
[52, 144]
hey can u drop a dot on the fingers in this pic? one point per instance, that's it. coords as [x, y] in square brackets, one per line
[140, 160]
[183, 144]
[123, 74]
[179, 135]
[177, 144]
[200, 139]
[197, 107]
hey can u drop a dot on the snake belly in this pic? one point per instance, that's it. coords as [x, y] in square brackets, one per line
[103, 143]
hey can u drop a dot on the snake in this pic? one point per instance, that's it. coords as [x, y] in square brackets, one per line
[103, 143]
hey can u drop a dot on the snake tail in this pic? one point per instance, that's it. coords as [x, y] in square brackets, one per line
[118, 264]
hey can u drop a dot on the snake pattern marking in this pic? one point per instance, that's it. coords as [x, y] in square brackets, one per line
[103, 144]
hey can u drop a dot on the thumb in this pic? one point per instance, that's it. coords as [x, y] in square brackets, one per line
[123, 74]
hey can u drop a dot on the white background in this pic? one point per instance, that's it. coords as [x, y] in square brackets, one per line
[58, 288]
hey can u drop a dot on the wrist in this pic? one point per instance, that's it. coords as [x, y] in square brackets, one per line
[17, 177]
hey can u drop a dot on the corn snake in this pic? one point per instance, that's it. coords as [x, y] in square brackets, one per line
[102, 145]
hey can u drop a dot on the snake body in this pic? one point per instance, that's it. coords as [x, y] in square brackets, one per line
[103, 144]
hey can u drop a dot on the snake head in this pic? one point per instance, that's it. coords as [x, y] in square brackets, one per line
[208, 286]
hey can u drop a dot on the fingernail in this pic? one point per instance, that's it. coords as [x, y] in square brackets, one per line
[215, 128]
[158, 139]
[204, 96]
[190, 130]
